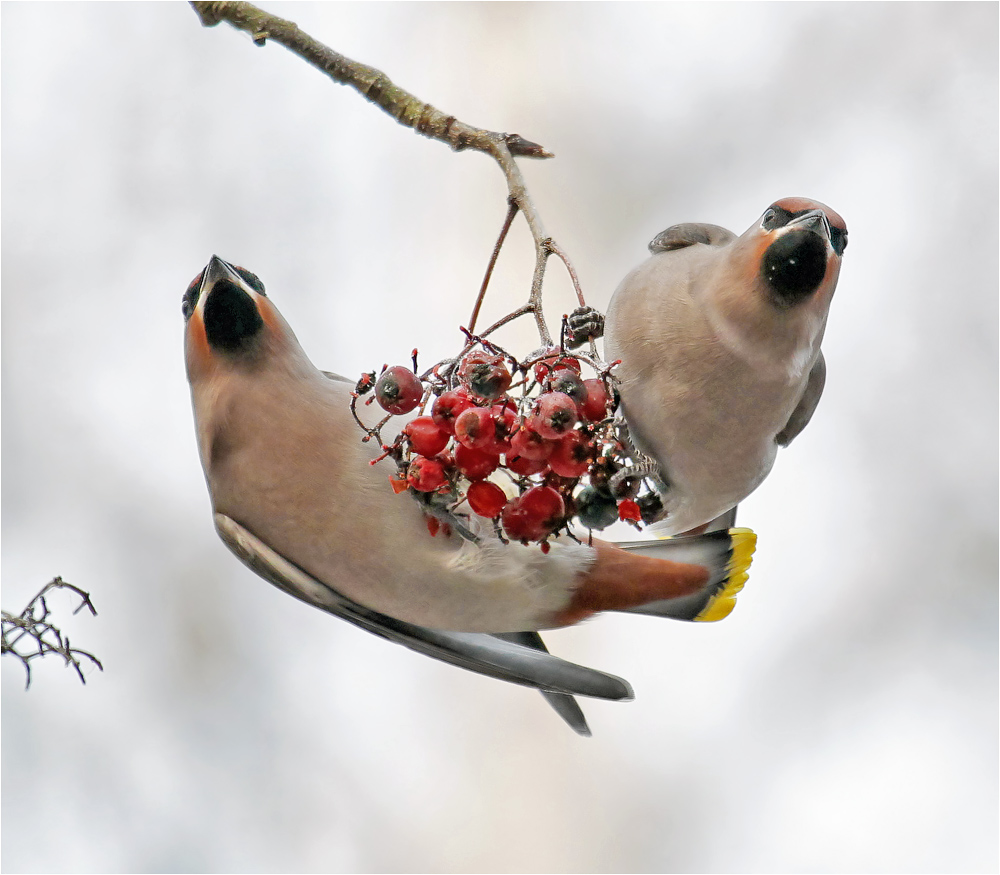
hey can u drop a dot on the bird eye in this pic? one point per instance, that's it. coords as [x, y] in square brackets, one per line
[190, 299]
[838, 239]
[251, 279]
[768, 219]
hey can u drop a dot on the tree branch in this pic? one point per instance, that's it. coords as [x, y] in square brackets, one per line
[425, 119]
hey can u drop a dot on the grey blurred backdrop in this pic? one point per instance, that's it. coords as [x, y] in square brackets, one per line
[844, 718]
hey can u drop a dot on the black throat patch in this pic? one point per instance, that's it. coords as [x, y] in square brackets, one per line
[794, 266]
[231, 317]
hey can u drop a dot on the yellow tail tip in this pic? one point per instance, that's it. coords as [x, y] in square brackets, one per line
[744, 542]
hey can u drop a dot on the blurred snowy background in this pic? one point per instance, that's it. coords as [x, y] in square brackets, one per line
[844, 718]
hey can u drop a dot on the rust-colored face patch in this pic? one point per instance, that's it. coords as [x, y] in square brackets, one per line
[804, 204]
[198, 354]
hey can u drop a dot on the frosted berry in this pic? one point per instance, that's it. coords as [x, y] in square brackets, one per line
[534, 515]
[475, 428]
[569, 383]
[475, 464]
[572, 455]
[398, 390]
[485, 375]
[425, 436]
[505, 424]
[596, 509]
[486, 499]
[554, 362]
[553, 415]
[448, 406]
[595, 406]
[529, 443]
[426, 475]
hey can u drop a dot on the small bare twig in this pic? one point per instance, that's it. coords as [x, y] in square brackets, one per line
[508, 221]
[41, 637]
[425, 119]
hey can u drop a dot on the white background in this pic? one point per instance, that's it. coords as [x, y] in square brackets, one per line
[844, 718]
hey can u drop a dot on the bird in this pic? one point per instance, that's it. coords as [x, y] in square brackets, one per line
[306, 504]
[717, 339]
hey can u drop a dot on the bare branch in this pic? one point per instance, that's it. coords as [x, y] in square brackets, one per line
[372, 84]
[425, 119]
[41, 637]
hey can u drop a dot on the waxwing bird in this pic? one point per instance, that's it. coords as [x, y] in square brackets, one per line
[719, 341]
[297, 498]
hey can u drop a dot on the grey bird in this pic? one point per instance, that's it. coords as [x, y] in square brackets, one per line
[719, 341]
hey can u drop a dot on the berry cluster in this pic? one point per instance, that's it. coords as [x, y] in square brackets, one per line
[530, 445]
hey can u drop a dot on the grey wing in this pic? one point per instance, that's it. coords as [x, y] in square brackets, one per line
[481, 653]
[689, 233]
[807, 404]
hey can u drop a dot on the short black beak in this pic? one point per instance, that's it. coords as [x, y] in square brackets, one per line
[218, 269]
[814, 220]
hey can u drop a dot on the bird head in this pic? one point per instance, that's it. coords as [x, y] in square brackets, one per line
[230, 321]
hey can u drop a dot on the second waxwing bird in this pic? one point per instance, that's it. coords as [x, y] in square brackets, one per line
[719, 342]
[297, 499]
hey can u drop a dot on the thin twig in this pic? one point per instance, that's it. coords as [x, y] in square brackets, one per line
[511, 212]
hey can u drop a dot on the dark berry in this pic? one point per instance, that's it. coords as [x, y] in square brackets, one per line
[485, 374]
[595, 509]
[569, 383]
[650, 507]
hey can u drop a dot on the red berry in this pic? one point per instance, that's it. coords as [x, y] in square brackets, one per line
[569, 383]
[486, 499]
[529, 443]
[485, 374]
[553, 415]
[448, 406]
[505, 424]
[425, 437]
[524, 466]
[398, 390]
[554, 362]
[595, 407]
[425, 474]
[534, 515]
[629, 510]
[572, 455]
[475, 428]
[475, 464]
